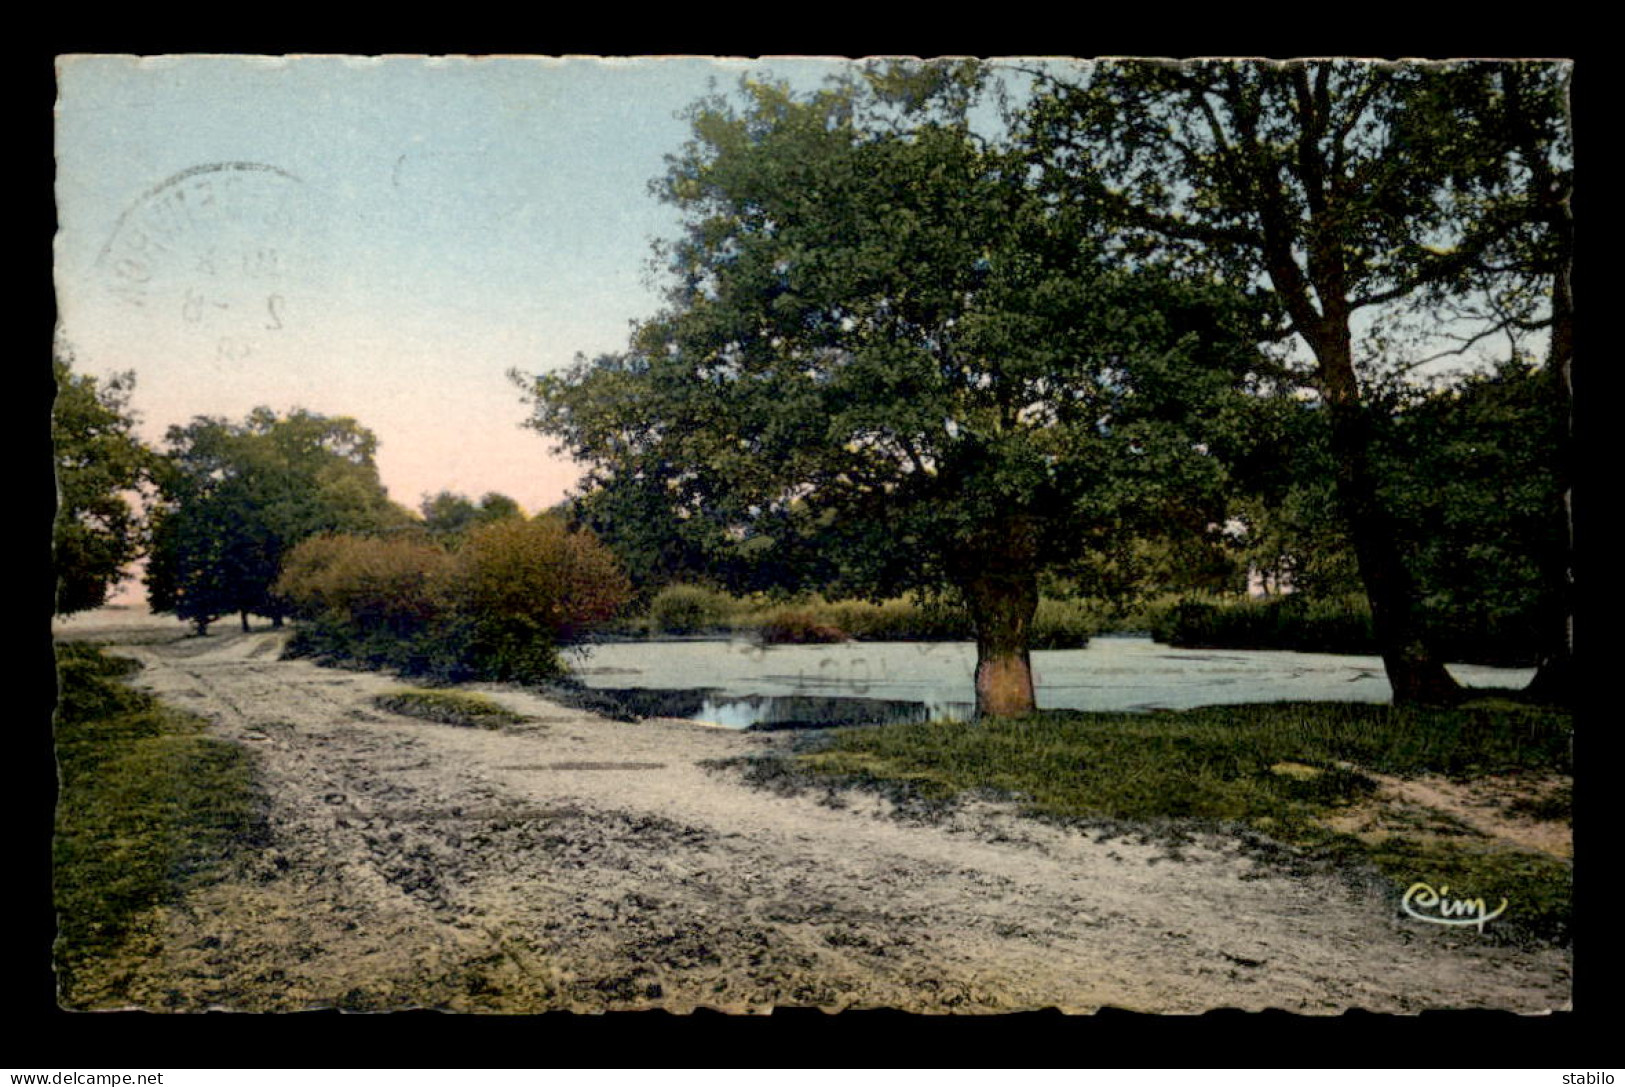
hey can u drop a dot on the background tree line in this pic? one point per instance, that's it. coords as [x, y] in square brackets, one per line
[285, 515]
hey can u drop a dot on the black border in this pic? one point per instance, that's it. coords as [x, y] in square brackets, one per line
[45, 1038]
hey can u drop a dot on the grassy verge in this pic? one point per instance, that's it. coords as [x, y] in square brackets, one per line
[448, 708]
[1278, 770]
[149, 807]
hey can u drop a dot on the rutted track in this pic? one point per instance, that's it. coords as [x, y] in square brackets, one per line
[573, 862]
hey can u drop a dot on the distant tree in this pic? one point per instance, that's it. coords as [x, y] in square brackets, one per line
[100, 467]
[888, 363]
[448, 517]
[235, 498]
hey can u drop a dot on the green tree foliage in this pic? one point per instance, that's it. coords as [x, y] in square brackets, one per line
[889, 363]
[448, 517]
[1347, 187]
[235, 498]
[100, 467]
[1477, 504]
[1480, 502]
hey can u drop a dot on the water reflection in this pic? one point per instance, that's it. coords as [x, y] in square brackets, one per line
[762, 713]
[767, 713]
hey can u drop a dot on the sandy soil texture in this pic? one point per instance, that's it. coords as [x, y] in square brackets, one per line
[572, 862]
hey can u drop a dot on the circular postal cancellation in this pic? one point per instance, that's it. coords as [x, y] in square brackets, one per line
[215, 249]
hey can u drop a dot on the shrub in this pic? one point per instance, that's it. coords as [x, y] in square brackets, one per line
[448, 707]
[688, 609]
[397, 584]
[901, 620]
[1063, 624]
[497, 609]
[1338, 625]
[523, 587]
[796, 626]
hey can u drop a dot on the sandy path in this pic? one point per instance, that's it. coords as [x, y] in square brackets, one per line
[573, 862]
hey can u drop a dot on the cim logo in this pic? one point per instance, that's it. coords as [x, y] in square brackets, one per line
[1448, 911]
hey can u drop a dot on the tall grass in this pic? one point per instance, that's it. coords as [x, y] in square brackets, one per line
[148, 807]
[1334, 625]
[687, 610]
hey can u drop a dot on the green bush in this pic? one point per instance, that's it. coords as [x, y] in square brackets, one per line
[1063, 624]
[689, 609]
[1291, 622]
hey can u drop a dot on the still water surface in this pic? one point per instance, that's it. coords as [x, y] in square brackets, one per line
[739, 684]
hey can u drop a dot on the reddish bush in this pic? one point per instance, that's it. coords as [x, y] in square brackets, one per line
[399, 584]
[539, 572]
[497, 608]
[791, 627]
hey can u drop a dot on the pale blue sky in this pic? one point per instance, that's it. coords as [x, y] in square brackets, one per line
[429, 224]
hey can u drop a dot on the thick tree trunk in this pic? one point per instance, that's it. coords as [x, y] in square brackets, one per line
[1003, 602]
[1554, 679]
[245, 621]
[1551, 192]
[1414, 673]
[1324, 322]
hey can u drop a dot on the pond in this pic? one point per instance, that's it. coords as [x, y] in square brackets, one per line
[739, 684]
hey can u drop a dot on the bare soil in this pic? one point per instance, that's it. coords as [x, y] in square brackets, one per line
[1485, 808]
[573, 862]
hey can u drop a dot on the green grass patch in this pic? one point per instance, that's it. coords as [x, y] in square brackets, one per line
[1279, 769]
[149, 807]
[448, 708]
[1538, 889]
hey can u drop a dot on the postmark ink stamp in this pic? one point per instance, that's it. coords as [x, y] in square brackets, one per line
[213, 248]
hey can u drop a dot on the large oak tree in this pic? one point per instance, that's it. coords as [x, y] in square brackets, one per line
[1345, 187]
[887, 362]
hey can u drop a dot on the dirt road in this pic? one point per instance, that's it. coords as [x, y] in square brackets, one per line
[574, 862]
